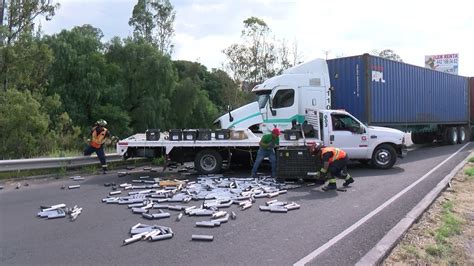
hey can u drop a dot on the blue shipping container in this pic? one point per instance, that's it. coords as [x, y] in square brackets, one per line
[384, 92]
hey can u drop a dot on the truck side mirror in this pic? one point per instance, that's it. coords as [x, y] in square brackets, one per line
[356, 128]
[274, 112]
[229, 108]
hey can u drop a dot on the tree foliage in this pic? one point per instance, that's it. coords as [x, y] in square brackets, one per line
[388, 54]
[23, 126]
[59, 84]
[152, 21]
[259, 55]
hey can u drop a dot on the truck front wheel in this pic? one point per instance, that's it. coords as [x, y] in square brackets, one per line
[384, 156]
[208, 161]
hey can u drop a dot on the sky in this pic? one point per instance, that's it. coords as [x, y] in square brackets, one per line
[320, 29]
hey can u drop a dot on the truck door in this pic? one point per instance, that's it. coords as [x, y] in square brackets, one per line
[348, 134]
[282, 108]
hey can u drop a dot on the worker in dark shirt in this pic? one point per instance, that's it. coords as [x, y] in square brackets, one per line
[334, 165]
[267, 146]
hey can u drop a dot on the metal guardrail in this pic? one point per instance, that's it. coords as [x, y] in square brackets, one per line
[45, 163]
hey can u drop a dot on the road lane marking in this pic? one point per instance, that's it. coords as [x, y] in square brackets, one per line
[353, 227]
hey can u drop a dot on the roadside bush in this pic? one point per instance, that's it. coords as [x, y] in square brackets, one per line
[23, 126]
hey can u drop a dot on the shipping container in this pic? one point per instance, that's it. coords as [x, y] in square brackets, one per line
[471, 91]
[378, 91]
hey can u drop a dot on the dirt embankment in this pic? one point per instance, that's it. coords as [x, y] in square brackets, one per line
[445, 233]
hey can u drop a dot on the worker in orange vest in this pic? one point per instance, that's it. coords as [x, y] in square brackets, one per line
[334, 165]
[98, 136]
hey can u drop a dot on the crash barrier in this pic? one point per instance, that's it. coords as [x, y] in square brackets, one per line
[45, 163]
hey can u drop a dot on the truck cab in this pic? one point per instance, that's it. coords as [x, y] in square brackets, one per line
[282, 99]
[379, 146]
[306, 88]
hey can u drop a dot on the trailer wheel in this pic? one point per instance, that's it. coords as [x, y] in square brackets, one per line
[416, 138]
[451, 135]
[208, 161]
[384, 156]
[462, 134]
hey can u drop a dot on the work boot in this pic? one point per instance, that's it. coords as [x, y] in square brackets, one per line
[330, 186]
[349, 181]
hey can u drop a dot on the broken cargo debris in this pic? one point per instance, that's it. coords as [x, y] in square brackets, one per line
[202, 237]
[59, 211]
[215, 191]
[148, 232]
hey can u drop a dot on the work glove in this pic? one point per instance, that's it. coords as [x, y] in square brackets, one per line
[323, 173]
[114, 140]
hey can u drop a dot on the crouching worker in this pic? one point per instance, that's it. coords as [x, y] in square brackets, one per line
[334, 165]
[96, 144]
[267, 144]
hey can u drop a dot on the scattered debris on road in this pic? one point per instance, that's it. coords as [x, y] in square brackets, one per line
[215, 192]
[59, 211]
[148, 232]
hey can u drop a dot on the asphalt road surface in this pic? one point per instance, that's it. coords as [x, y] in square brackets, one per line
[330, 228]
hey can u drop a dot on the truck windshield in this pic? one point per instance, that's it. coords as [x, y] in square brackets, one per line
[262, 100]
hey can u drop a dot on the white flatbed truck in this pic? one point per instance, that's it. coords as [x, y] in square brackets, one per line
[380, 146]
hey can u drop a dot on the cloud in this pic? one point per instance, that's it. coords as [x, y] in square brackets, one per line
[204, 28]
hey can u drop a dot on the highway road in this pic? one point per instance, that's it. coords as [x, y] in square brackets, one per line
[330, 228]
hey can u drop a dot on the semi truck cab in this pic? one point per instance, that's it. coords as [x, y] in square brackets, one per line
[306, 88]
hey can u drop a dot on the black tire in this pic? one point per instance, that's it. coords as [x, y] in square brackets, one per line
[417, 138]
[208, 161]
[384, 156]
[430, 137]
[365, 162]
[462, 134]
[451, 136]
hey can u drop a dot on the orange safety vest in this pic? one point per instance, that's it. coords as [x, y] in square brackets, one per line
[98, 139]
[336, 153]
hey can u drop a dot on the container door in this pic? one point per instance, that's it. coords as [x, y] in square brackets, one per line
[348, 134]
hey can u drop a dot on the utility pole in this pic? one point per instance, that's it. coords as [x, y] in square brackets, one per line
[326, 52]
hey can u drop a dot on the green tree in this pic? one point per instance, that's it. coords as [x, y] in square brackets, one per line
[20, 16]
[146, 82]
[152, 20]
[388, 54]
[259, 56]
[79, 72]
[142, 21]
[23, 125]
[29, 60]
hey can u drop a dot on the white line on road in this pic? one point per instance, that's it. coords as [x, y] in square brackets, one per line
[352, 228]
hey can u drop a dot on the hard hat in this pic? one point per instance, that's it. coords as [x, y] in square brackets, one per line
[101, 122]
[315, 148]
[276, 131]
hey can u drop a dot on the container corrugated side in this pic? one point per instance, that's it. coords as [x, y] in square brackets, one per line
[385, 92]
[348, 78]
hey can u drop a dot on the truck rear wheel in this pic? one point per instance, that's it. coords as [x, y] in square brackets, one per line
[208, 161]
[462, 134]
[384, 156]
[451, 135]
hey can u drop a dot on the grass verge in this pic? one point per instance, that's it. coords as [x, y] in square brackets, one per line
[443, 233]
